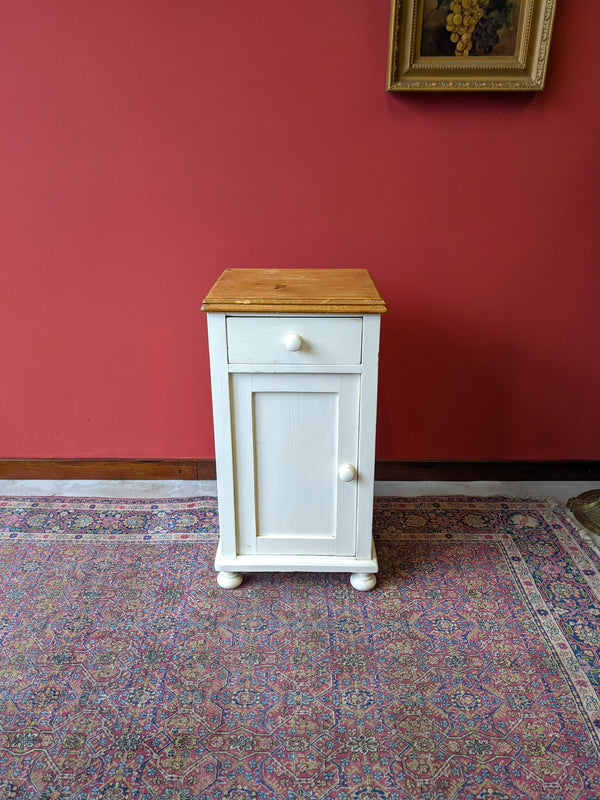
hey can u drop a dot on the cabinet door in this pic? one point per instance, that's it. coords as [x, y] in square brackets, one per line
[292, 432]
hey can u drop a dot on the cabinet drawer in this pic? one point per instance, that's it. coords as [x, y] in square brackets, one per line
[294, 340]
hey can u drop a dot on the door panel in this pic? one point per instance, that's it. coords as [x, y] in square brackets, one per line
[291, 433]
[296, 444]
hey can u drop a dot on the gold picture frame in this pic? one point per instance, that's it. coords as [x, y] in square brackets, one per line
[469, 45]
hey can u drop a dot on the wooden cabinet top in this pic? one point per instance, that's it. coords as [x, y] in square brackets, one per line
[295, 291]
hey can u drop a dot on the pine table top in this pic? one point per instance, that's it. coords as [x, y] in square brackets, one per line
[303, 291]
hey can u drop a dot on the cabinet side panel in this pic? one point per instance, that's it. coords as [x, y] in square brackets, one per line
[366, 444]
[221, 404]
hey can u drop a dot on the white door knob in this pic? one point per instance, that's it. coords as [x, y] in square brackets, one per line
[293, 341]
[347, 472]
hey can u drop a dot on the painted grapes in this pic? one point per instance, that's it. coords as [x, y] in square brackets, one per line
[466, 28]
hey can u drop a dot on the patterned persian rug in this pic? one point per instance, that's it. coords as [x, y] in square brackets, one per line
[471, 672]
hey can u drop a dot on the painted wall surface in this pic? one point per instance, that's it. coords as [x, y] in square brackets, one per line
[147, 144]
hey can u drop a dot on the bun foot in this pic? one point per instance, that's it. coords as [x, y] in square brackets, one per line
[229, 580]
[363, 581]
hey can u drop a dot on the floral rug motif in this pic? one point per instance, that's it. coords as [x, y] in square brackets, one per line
[471, 671]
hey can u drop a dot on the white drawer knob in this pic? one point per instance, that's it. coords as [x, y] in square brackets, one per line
[293, 341]
[347, 472]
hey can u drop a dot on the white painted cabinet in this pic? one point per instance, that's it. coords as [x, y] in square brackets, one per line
[294, 401]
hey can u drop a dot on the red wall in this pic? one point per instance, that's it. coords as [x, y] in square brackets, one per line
[147, 144]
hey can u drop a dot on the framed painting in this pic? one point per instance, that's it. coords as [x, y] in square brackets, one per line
[466, 45]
